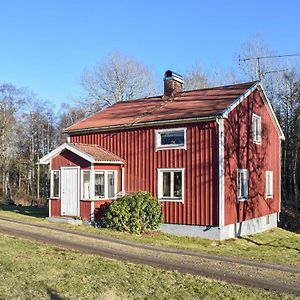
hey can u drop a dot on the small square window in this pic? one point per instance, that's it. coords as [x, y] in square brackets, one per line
[256, 129]
[242, 184]
[170, 139]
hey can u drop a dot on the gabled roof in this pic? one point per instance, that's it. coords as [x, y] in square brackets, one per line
[204, 103]
[195, 105]
[91, 153]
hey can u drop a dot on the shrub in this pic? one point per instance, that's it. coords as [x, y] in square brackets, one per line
[135, 213]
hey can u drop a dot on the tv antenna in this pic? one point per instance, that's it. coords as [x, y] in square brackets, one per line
[258, 59]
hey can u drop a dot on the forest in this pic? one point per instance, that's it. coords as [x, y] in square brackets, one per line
[30, 126]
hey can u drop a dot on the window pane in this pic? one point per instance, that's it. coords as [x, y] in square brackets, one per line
[166, 184]
[172, 138]
[111, 184]
[86, 185]
[177, 184]
[56, 184]
[99, 185]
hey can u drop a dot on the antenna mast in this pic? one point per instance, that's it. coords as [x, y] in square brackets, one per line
[259, 73]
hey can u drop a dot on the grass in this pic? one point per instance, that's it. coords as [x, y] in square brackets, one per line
[275, 246]
[31, 270]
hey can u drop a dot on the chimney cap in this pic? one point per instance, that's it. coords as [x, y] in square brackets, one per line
[169, 75]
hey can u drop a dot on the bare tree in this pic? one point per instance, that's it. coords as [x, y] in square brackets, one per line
[195, 78]
[119, 78]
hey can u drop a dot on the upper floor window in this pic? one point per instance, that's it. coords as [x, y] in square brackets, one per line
[170, 138]
[55, 184]
[269, 184]
[242, 184]
[256, 129]
[170, 184]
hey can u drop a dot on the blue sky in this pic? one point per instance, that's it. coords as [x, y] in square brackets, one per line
[45, 45]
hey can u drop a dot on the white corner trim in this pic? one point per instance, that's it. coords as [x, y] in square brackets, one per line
[239, 100]
[271, 111]
[221, 173]
[49, 206]
[92, 211]
[122, 179]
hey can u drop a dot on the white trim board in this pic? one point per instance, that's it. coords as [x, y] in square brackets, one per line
[221, 172]
[47, 158]
[256, 85]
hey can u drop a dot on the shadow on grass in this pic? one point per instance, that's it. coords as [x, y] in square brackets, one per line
[32, 211]
[274, 243]
[53, 295]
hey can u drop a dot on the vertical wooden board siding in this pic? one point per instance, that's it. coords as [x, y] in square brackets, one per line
[55, 208]
[68, 158]
[200, 162]
[241, 152]
[85, 210]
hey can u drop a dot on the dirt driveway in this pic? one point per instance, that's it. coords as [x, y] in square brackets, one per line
[244, 272]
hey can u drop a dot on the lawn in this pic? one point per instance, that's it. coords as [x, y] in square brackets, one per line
[31, 270]
[275, 246]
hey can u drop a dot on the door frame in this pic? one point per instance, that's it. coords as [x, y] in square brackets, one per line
[78, 189]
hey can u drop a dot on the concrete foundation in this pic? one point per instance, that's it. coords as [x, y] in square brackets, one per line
[222, 233]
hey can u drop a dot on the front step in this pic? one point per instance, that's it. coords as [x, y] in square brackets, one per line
[64, 220]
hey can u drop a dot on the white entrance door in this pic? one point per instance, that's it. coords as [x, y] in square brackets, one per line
[69, 191]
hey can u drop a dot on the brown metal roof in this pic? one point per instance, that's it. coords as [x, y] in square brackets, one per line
[98, 153]
[189, 104]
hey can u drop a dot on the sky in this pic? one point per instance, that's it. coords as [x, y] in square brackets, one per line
[46, 45]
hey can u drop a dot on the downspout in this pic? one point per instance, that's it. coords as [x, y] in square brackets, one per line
[220, 122]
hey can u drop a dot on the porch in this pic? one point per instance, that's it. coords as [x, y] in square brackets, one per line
[83, 177]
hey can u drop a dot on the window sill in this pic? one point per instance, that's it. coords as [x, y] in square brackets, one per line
[242, 199]
[256, 143]
[269, 197]
[54, 198]
[170, 148]
[170, 200]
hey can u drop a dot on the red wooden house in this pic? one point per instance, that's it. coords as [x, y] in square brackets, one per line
[211, 156]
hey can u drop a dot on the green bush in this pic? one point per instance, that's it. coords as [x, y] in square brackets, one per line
[135, 213]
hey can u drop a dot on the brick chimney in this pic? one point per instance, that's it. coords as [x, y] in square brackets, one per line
[172, 83]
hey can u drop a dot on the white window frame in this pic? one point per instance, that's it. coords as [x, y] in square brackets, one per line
[256, 139]
[93, 172]
[52, 184]
[240, 196]
[160, 185]
[269, 174]
[91, 188]
[158, 144]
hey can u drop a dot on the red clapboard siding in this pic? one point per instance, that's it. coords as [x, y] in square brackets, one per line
[85, 210]
[241, 152]
[55, 208]
[200, 161]
[68, 158]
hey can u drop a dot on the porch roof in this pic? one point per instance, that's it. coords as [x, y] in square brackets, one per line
[90, 152]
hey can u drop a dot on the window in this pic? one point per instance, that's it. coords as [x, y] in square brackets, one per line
[111, 185]
[55, 184]
[171, 139]
[269, 184]
[99, 184]
[242, 184]
[86, 185]
[105, 184]
[170, 184]
[256, 129]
